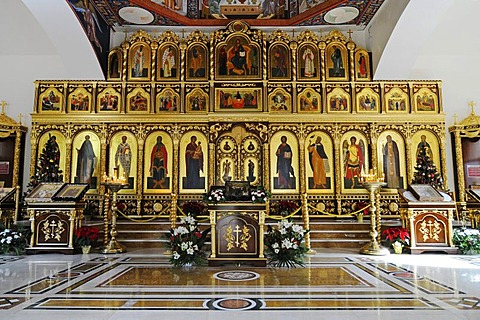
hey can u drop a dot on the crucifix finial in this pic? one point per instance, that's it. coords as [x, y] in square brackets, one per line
[455, 118]
[472, 105]
[183, 33]
[20, 116]
[293, 33]
[350, 32]
[3, 104]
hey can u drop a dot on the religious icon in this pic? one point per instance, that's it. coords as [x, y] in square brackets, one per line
[140, 62]
[308, 62]
[285, 171]
[51, 100]
[159, 165]
[79, 100]
[279, 62]
[167, 100]
[108, 101]
[391, 163]
[138, 102]
[319, 164]
[197, 59]
[194, 164]
[169, 63]
[86, 162]
[354, 162]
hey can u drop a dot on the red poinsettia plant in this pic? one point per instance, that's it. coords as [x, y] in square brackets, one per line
[284, 207]
[395, 234]
[86, 236]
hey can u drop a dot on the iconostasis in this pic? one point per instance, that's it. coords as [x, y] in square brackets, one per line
[296, 115]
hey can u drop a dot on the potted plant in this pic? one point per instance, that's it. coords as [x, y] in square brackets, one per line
[13, 240]
[396, 238]
[285, 244]
[259, 195]
[85, 237]
[186, 243]
[467, 240]
[215, 196]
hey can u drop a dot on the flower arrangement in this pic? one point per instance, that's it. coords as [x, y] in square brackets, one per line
[86, 236]
[186, 243]
[216, 196]
[284, 207]
[259, 195]
[467, 240]
[13, 241]
[395, 234]
[285, 244]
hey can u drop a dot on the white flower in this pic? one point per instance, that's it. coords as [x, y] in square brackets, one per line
[277, 250]
[184, 246]
[275, 245]
[190, 251]
[282, 231]
[295, 246]
[286, 244]
[297, 228]
[176, 256]
[195, 247]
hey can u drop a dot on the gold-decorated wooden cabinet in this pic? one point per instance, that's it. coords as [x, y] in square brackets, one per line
[12, 145]
[429, 223]
[466, 148]
[52, 222]
[237, 234]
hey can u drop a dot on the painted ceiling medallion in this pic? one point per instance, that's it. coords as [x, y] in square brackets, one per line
[135, 15]
[341, 15]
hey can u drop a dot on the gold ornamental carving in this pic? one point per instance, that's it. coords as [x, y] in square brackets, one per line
[237, 238]
[52, 230]
[430, 230]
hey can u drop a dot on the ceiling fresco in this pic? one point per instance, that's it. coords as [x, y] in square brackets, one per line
[123, 13]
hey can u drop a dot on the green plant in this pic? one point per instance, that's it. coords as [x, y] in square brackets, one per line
[395, 234]
[13, 241]
[186, 243]
[285, 244]
[86, 236]
[467, 240]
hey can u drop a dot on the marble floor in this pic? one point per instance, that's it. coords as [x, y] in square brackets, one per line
[335, 284]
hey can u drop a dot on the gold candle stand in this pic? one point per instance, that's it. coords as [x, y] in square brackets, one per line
[374, 248]
[113, 246]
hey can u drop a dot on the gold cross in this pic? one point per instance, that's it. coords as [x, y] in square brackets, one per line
[20, 116]
[293, 33]
[472, 104]
[183, 33]
[350, 32]
[454, 118]
[3, 104]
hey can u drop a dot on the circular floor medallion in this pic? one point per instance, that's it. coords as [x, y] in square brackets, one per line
[236, 275]
[235, 304]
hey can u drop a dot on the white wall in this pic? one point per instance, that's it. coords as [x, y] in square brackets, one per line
[438, 39]
[39, 40]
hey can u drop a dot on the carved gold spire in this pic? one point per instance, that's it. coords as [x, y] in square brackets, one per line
[3, 104]
[472, 105]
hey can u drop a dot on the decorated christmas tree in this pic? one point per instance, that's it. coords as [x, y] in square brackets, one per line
[48, 165]
[426, 171]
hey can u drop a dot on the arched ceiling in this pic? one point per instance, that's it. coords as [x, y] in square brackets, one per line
[355, 14]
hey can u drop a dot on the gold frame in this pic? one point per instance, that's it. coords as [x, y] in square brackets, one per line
[237, 104]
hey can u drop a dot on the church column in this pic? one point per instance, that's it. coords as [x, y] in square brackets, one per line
[67, 175]
[211, 164]
[16, 157]
[408, 151]
[266, 166]
[33, 148]
[443, 155]
[338, 172]
[351, 50]
[140, 166]
[460, 173]
[302, 172]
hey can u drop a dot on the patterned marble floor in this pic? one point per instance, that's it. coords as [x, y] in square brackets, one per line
[334, 285]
